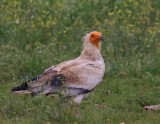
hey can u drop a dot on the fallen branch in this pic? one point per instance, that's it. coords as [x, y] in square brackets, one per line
[152, 107]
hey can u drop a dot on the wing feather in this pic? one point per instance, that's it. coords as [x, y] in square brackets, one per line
[76, 76]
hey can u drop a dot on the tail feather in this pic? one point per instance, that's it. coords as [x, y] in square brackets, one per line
[48, 85]
[23, 86]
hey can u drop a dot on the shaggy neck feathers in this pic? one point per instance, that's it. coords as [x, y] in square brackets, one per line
[90, 51]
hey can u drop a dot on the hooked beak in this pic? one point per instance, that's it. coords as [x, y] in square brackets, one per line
[102, 38]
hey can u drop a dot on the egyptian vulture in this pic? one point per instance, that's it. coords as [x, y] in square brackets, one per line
[76, 78]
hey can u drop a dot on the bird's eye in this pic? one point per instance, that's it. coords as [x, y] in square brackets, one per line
[92, 35]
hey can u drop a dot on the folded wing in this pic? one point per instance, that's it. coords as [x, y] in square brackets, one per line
[69, 80]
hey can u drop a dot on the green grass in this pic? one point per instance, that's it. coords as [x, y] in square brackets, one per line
[124, 103]
[35, 35]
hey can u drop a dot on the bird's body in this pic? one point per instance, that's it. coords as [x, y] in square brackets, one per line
[71, 78]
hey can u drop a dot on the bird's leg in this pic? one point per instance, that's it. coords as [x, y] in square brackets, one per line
[78, 99]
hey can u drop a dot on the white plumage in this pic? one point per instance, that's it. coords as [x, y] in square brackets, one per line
[71, 78]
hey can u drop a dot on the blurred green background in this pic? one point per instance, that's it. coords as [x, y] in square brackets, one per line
[35, 34]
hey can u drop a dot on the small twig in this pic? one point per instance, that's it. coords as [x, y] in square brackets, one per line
[101, 105]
